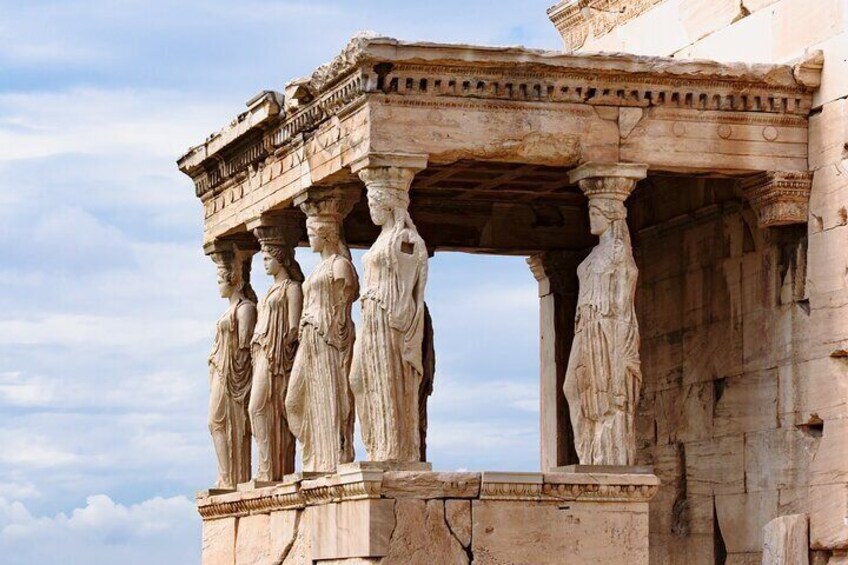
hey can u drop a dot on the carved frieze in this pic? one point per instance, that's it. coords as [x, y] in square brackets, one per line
[779, 198]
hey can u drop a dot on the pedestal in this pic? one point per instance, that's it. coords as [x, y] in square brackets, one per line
[369, 516]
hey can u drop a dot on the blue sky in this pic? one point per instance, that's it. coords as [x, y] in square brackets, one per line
[107, 303]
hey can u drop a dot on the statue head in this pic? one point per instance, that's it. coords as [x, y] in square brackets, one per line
[385, 203]
[234, 274]
[325, 212]
[323, 233]
[279, 258]
[604, 213]
[229, 280]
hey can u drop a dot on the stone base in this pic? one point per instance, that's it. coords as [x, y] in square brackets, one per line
[363, 515]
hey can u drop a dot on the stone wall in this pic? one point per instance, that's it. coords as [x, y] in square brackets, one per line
[425, 518]
[745, 357]
[743, 399]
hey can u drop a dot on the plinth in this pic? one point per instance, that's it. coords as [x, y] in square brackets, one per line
[364, 515]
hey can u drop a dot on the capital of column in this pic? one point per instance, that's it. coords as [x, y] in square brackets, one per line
[330, 204]
[556, 271]
[283, 230]
[389, 171]
[223, 252]
[613, 181]
[232, 259]
[779, 198]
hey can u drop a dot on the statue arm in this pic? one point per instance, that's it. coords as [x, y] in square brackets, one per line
[343, 271]
[624, 283]
[344, 289]
[295, 307]
[246, 317]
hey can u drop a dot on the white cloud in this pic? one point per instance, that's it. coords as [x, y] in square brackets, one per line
[458, 394]
[94, 332]
[24, 448]
[104, 122]
[157, 530]
[18, 490]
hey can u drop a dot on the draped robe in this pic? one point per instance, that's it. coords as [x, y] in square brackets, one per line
[274, 346]
[604, 377]
[230, 372]
[319, 401]
[387, 362]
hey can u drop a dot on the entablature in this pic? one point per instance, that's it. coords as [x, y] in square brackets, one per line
[460, 103]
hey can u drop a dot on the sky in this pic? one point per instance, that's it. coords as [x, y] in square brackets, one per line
[107, 303]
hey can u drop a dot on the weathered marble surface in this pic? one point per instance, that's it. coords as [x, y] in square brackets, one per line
[319, 400]
[388, 367]
[356, 517]
[275, 341]
[787, 541]
[604, 376]
[230, 369]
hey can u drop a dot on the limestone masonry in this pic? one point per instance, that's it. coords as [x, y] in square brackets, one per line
[683, 209]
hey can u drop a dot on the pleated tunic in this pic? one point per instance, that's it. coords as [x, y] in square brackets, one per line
[604, 375]
[387, 366]
[230, 372]
[319, 402]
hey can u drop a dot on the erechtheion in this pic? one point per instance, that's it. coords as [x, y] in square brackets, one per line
[683, 209]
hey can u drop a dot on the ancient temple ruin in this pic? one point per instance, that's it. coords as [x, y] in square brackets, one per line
[683, 221]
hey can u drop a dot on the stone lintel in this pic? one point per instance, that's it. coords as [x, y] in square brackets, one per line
[262, 108]
[779, 198]
[414, 161]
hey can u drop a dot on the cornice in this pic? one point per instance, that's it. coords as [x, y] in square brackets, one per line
[503, 79]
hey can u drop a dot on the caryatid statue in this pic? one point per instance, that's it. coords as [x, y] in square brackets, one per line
[319, 402]
[230, 368]
[603, 379]
[275, 341]
[387, 360]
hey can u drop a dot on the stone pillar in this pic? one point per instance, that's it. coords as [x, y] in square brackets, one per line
[604, 378]
[556, 273]
[230, 365]
[275, 343]
[320, 402]
[388, 360]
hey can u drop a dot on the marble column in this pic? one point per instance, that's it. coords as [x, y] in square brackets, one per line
[388, 360]
[556, 273]
[274, 344]
[603, 380]
[230, 365]
[320, 404]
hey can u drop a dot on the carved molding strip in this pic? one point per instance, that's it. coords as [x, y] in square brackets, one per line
[260, 501]
[575, 28]
[779, 198]
[369, 485]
